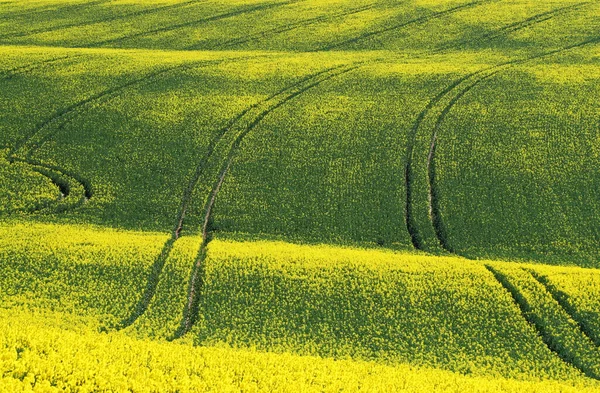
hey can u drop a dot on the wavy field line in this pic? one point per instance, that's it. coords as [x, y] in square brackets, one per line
[164, 29]
[418, 20]
[279, 99]
[284, 28]
[11, 73]
[101, 20]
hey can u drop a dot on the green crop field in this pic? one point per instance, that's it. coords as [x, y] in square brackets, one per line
[299, 195]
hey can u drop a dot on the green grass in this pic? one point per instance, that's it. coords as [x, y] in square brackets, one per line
[307, 184]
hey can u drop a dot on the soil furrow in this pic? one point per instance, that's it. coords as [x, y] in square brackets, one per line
[563, 300]
[418, 20]
[164, 29]
[102, 20]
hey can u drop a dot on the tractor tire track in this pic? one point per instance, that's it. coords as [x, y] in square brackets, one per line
[11, 73]
[563, 300]
[418, 20]
[164, 29]
[52, 9]
[435, 217]
[513, 27]
[539, 325]
[102, 20]
[46, 131]
[196, 282]
[283, 29]
[159, 263]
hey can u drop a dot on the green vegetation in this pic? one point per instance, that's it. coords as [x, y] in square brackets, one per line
[202, 195]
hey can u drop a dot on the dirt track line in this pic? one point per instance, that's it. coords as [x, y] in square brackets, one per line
[98, 97]
[418, 20]
[513, 27]
[563, 300]
[230, 14]
[61, 116]
[196, 281]
[283, 29]
[97, 21]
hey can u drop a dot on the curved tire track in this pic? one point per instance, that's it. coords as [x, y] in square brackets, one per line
[103, 20]
[283, 29]
[415, 21]
[513, 27]
[563, 300]
[164, 29]
[245, 126]
[47, 130]
[546, 329]
[435, 217]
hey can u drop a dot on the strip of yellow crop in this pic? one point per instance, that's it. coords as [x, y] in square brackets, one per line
[37, 355]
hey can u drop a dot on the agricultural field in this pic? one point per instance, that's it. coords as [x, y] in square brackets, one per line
[299, 195]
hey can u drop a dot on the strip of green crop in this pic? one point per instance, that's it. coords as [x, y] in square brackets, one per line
[225, 15]
[282, 29]
[238, 131]
[560, 333]
[101, 20]
[415, 21]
